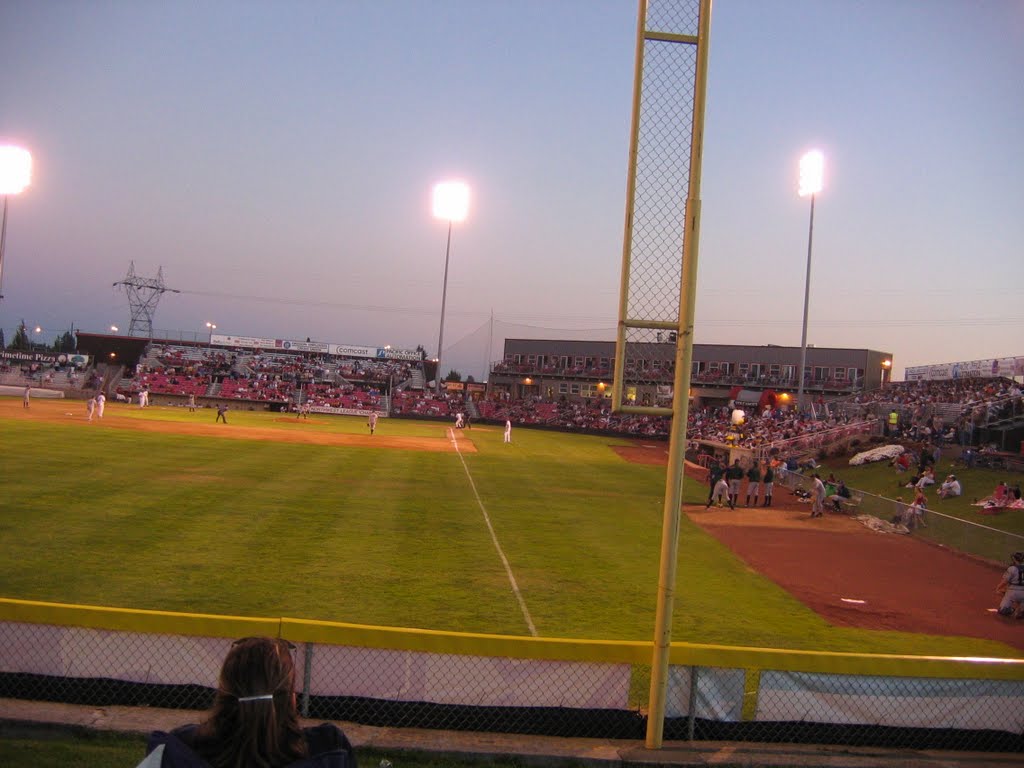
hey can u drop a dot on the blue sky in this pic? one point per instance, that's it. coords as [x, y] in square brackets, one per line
[276, 159]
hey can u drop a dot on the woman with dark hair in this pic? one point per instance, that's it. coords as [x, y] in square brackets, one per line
[254, 721]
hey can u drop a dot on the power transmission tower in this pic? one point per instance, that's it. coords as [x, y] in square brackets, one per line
[143, 295]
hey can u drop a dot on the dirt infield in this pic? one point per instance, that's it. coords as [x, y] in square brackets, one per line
[291, 430]
[850, 575]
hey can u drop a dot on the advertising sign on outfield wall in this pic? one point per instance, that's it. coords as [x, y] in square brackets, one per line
[351, 350]
[246, 342]
[301, 346]
[344, 411]
[320, 347]
[997, 366]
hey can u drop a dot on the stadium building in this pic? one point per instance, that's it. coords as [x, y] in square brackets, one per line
[552, 370]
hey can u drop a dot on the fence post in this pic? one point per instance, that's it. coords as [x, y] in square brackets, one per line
[307, 675]
[691, 712]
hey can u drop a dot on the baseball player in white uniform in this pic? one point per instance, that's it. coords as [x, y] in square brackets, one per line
[101, 400]
[508, 430]
[817, 497]
[90, 407]
[372, 423]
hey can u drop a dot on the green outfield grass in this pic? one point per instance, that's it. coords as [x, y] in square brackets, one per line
[138, 519]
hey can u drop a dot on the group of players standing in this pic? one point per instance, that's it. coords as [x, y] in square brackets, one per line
[725, 483]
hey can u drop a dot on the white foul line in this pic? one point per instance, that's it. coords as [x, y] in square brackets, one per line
[494, 538]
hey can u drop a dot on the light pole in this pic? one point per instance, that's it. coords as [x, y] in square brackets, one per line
[451, 202]
[212, 327]
[15, 175]
[812, 167]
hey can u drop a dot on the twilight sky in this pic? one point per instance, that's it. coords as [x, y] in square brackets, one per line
[276, 159]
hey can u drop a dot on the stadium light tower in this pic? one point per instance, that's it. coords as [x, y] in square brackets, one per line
[812, 166]
[451, 203]
[15, 175]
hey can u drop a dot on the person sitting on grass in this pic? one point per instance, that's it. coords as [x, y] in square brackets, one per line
[842, 493]
[950, 488]
[253, 721]
[903, 461]
[926, 478]
[1000, 496]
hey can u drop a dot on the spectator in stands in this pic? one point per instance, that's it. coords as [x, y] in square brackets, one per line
[254, 721]
[950, 487]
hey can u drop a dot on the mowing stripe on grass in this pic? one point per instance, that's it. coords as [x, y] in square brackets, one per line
[494, 538]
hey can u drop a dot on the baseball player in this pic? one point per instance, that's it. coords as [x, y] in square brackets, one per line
[735, 476]
[90, 408]
[753, 482]
[1012, 588]
[372, 422]
[508, 430]
[817, 497]
[101, 400]
[721, 494]
[768, 481]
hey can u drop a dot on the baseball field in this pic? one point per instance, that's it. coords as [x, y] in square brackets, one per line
[423, 526]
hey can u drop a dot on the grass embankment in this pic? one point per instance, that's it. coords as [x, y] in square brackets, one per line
[365, 535]
[103, 750]
[882, 479]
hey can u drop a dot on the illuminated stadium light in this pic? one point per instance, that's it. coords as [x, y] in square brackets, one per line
[451, 203]
[15, 175]
[812, 170]
[15, 170]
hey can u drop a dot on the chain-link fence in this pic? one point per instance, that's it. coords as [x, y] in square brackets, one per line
[416, 679]
[965, 536]
[970, 538]
[666, 116]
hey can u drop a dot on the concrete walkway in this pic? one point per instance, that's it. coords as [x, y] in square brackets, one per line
[31, 718]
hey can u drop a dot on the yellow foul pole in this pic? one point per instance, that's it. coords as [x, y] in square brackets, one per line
[681, 400]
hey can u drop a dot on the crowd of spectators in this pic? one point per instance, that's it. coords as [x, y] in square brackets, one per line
[422, 402]
[944, 411]
[265, 376]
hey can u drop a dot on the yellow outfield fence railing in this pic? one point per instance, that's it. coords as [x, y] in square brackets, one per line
[455, 681]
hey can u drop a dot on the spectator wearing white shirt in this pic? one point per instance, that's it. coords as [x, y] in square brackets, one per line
[950, 487]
